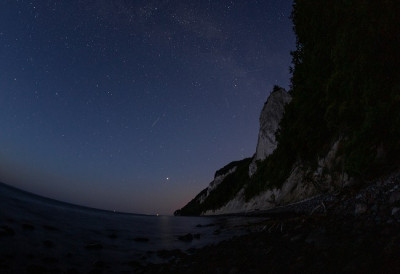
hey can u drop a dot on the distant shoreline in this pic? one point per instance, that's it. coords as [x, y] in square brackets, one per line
[69, 204]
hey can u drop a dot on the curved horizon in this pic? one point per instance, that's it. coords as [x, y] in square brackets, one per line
[133, 106]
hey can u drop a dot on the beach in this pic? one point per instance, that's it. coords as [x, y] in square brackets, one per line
[356, 230]
[40, 235]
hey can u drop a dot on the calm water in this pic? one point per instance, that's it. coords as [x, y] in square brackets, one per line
[70, 228]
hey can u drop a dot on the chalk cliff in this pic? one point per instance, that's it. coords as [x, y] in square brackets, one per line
[225, 193]
[342, 124]
[270, 117]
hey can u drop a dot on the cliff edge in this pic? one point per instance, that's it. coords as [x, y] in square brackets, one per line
[225, 193]
[342, 125]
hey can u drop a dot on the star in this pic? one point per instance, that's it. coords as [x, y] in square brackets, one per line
[143, 87]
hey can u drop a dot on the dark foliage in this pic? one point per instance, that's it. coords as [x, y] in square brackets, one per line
[193, 208]
[228, 167]
[345, 84]
[223, 193]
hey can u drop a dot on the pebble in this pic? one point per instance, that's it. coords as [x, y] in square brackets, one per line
[296, 238]
[186, 238]
[395, 210]
[360, 208]
[394, 197]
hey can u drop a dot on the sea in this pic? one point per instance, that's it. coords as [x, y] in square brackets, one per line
[35, 230]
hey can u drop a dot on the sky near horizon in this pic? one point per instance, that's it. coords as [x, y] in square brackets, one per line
[133, 105]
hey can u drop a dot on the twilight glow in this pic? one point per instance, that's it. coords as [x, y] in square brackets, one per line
[133, 105]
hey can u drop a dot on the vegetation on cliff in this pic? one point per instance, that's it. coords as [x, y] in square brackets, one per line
[223, 192]
[345, 86]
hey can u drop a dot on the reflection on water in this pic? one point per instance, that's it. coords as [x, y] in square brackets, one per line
[75, 224]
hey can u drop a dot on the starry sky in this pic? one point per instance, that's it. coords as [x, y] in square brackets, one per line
[133, 105]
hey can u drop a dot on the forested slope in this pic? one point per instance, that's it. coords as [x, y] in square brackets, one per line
[345, 85]
[345, 90]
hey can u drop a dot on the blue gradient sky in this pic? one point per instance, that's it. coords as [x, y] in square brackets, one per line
[102, 101]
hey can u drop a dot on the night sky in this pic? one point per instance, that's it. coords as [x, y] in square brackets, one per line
[133, 105]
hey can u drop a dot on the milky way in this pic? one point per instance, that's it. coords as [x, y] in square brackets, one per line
[133, 105]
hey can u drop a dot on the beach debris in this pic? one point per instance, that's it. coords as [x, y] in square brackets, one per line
[360, 208]
[395, 211]
[394, 197]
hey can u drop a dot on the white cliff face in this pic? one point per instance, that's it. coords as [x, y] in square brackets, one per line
[217, 180]
[265, 200]
[270, 118]
[302, 184]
